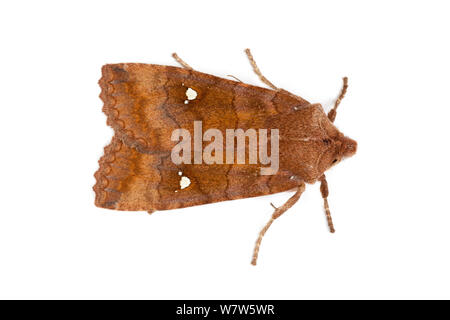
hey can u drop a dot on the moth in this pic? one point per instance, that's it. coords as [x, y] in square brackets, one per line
[146, 104]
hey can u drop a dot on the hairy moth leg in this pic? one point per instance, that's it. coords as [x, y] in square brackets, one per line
[332, 113]
[237, 79]
[181, 62]
[324, 191]
[278, 212]
[257, 71]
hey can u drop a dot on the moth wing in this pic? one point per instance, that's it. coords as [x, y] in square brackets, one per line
[135, 181]
[126, 179]
[144, 103]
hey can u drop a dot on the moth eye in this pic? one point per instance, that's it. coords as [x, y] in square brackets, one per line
[326, 141]
[334, 161]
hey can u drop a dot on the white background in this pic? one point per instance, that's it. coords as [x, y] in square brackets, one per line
[389, 202]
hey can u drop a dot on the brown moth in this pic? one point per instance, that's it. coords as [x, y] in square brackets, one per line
[146, 104]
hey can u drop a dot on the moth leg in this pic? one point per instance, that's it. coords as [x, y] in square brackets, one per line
[278, 212]
[332, 113]
[237, 79]
[257, 71]
[324, 191]
[181, 62]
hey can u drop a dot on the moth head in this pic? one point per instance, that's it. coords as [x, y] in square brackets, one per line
[341, 147]
[310, 143]
[338, 146]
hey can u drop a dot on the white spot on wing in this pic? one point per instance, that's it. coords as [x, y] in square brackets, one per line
[184, 182]
[191, 94]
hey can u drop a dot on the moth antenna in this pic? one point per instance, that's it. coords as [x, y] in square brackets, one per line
[257, 71]
[324, 191]
[230, 75]
[181, 62]
[332, 113]
[278, 212]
